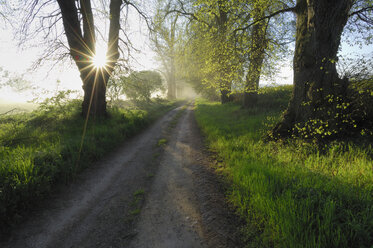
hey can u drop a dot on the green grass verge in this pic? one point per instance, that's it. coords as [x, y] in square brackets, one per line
[43, 148]
[291, 195]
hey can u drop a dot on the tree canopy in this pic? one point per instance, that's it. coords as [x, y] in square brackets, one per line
[141, 85]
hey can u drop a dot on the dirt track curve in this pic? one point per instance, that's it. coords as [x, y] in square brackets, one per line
[142, 195]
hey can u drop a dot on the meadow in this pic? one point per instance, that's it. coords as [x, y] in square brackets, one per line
[291, 194]
[50, 145]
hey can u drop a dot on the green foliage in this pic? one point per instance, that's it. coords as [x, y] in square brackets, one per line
[291, 195]
[274, 97]
[15, 81]
[41, 148]
[114, 89]
[361, 100]
[221, 49]
[166, 41]
[340, 118]
[162, 142]
[138, 87]
[139, 192]
[141, 85]
[61, 102]
[138, 197]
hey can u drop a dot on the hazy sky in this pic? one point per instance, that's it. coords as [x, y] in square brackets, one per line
[18, 60]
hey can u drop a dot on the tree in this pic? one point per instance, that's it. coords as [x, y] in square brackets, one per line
[190, 64]
[230, 39]
[212, 44]
[82, 44]
[14, 81]
[80, 39]
[141, 85]
[115, 87]
[259, 43]
[317, 85]
[164, 39]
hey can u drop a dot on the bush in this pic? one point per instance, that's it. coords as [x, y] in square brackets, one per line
[138, 86]
[341, 117]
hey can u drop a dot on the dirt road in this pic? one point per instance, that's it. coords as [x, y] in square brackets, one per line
[157, 190]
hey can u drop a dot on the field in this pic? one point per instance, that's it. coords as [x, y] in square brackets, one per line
[290, 194]
[16, 107]
[51, 145]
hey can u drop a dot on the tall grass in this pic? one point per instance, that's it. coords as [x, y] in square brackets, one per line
[292, 195]
[43, 148]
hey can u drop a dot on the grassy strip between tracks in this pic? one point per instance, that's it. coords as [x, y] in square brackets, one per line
[291, 195]
[43, 148]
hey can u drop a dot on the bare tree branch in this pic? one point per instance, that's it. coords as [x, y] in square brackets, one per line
[366, 9]
[291, 9]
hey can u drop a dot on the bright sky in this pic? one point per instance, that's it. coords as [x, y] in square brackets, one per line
[17, 60]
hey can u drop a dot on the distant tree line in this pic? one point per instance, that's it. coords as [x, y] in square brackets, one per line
[225, 47]
[222, 47]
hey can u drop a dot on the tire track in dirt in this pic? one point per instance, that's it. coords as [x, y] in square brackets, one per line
[186, 205]
[181, 202]
[94, 210]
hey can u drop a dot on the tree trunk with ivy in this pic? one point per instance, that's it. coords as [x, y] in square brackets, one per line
[317, 87]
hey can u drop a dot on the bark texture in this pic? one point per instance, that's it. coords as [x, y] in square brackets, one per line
[94, 86]
[319, 27]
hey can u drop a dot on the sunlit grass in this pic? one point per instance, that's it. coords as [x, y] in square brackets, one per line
[40, 149]
[291, 195]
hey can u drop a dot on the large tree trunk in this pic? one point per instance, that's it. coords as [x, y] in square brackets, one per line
[319, 27]
[256, 58]
[94, 86]
[225, 97]
[82, 45]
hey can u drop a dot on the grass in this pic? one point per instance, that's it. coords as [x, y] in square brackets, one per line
[291, 195]
[162, 142]
[43, 148]
[139, 192]
[138, 196]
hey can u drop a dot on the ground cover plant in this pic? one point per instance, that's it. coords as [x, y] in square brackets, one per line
[292, 194]
[45, 147]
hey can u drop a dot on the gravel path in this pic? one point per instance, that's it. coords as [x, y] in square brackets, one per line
[142, 195]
